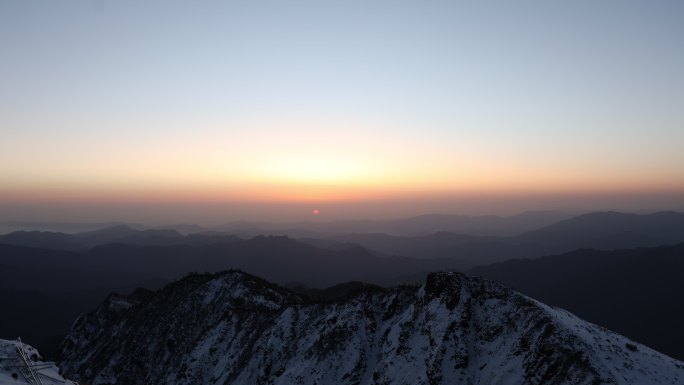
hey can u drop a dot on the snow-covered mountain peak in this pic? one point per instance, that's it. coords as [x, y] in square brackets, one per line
[246, 291]
[233, 328]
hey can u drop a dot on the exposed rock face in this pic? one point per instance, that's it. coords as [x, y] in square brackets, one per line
[233, 328]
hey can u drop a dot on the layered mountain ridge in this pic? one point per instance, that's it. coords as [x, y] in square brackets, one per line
[234, 328]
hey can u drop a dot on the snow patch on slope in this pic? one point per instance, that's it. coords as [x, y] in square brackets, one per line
[22, 364]
[233, 328]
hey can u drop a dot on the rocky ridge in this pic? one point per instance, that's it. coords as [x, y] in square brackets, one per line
[234, 328]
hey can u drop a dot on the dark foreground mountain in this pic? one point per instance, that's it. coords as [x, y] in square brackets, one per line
[279, 259]
[45, 290]
[637, 292]
[233, 328]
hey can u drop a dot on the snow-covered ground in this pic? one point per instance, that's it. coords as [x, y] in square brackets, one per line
[22, 364]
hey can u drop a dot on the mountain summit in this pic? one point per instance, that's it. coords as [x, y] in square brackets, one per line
[234, 328]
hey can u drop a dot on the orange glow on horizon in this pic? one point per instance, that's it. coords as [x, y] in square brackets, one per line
[298, 161]
[352, 166]
[300, 193]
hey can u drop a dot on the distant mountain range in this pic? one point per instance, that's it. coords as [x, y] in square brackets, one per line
[81, 227]
[414, 226]
[610, 230]
[42, 269]
[636, 292]
[122, 234]
[419, 225]
[234, 328]
[602, 230]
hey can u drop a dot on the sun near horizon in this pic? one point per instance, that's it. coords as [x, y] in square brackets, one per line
[456, 108]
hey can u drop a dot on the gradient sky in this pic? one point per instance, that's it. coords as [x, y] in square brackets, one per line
[314, 103]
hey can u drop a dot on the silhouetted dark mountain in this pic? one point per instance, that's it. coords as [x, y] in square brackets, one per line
[466, 250]
[607, 230]
[106, 234]
[152, 237]
[184, 228]
[62, 227]
[42, 239]
[278, 258]
[437, 245]
[414, 226]
[44, 290]
[22, 256]
[22, 310]
[336, 245]
[637, 292]
[486, 225]
[117, 234]
[209, 237]
[126, 234]
[335, 292]
[120, 267]
[43, 318]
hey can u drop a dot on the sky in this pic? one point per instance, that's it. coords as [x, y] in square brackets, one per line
[222, 110]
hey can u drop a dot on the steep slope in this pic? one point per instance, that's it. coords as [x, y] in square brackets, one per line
[22, 364]
[233, 328]
[636, 292]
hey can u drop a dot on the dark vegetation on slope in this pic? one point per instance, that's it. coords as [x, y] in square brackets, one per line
[80, 279]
